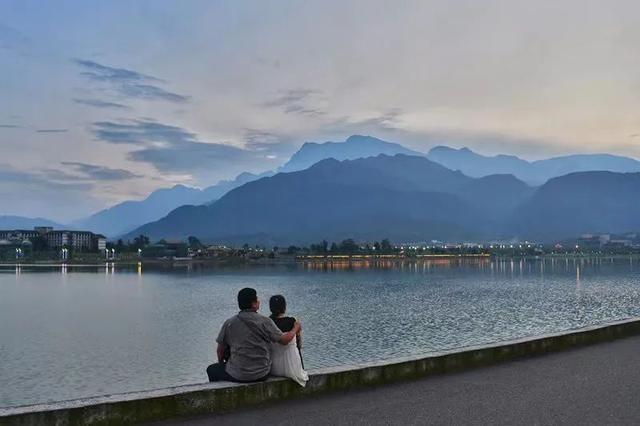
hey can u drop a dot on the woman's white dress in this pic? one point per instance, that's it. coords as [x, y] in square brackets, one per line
[286, 362]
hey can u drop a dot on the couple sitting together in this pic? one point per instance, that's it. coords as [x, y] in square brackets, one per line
[252, 347]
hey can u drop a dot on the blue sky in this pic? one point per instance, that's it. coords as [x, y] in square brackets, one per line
[106, 101]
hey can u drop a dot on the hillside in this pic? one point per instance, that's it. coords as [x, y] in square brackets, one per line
[585, 202]
[405, 198]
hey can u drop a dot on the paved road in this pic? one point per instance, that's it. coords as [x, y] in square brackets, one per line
[596, 385]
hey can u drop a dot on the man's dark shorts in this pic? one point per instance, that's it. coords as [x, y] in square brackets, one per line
[217, 373]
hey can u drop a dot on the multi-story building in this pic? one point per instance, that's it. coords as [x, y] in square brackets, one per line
[77, 240]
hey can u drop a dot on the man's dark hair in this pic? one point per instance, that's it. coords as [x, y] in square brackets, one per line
[277, 304]
[246, 297]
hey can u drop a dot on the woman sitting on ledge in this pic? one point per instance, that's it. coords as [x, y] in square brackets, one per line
[286, 360]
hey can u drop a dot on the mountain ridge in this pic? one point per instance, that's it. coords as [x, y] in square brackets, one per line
[400, 197]
[533, 172]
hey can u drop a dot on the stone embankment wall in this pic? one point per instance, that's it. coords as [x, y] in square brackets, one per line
[221, 397]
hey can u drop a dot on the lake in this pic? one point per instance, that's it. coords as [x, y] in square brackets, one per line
[83, 331]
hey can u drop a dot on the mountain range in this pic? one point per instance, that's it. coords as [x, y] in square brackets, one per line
[129, 215]
[534, 172]
[125, 216]
[20, 222]
[404, 198]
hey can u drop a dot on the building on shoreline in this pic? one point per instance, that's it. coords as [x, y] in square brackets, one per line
[54, 239]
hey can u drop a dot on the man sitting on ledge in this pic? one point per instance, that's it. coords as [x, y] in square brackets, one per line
[245, 340]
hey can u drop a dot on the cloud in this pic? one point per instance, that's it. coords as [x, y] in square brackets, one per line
[295, 101]
[272, 145]
[142, 132]
[174, 149]
[149, 92]
[193, 156]
[9, 126]
[102, 173]
[35, 179]
[100, 72]
[52, 130]
[100, 104]
[128, 82]
[287, 97]
[29, 193]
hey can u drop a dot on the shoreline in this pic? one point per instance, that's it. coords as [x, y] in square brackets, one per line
[292, 260]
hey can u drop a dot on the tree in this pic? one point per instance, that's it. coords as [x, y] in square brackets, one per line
[140, 242]
[39, 243]
[385, 246]
[194, 243]
[293, 249]
[349, 246]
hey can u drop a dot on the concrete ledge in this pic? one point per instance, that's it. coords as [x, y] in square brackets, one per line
[192, 400]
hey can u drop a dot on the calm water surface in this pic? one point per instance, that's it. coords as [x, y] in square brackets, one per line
[91, 331]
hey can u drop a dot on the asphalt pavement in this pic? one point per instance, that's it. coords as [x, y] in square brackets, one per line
[594, 385]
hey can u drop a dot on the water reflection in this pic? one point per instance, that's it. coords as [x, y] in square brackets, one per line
[410, 265]
[505, 267]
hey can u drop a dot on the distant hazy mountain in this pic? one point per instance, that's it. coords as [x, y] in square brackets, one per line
[536, 172]
[405, 198]
[128, 215]
[355, 146]
[585, 202]
[19, 222]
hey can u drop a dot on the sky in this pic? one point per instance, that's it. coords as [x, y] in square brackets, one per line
[104, 101]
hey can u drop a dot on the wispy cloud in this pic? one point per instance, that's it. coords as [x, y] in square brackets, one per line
[52, 130]
[42, 180]
[272, 145]
[128, 82]
[9, 126]
[103, 173]
[101, 72]
[174, 149]
[295, 101]
[100, 104]
[288, 97]
[36, 193]
[142, 132]
[384, 120]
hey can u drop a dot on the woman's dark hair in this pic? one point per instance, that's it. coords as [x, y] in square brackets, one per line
[246, 297]
[277, 304]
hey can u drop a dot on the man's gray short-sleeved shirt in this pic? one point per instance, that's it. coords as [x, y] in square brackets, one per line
[249, 335]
